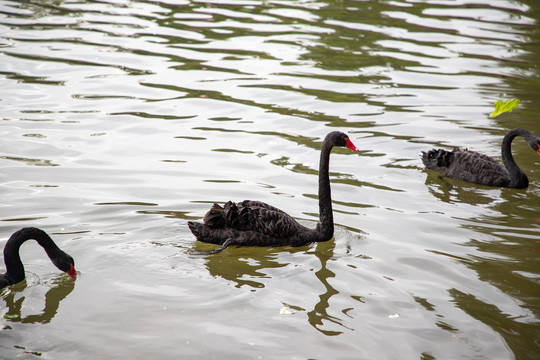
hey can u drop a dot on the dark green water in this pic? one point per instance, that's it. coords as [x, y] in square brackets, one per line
[122, 120]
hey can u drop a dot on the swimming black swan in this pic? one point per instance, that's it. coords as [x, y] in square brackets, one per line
[254, 223]
[14, 267]
[478, 168]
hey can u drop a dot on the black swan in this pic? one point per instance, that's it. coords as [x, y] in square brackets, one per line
[14, 267]
[481, 169]
[254, 223]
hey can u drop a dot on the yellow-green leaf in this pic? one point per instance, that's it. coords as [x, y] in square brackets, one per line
[501, 107]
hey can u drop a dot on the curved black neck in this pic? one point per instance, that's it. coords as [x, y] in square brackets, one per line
[518, 179]
[14, 266]
[326, 217]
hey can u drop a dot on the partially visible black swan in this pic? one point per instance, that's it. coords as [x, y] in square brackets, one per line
[481, 169]
[14, 267]
[254, 223]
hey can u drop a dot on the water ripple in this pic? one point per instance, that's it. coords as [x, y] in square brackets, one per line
[122, 120]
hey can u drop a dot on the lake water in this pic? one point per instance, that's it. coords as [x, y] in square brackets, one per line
[122, 120]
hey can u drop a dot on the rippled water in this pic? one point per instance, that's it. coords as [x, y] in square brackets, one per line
[121, 120]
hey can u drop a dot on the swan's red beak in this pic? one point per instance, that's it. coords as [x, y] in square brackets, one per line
[72, 271]
[538, 150]
[351, 146]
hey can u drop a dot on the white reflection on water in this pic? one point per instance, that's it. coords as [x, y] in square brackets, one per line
[122, 120]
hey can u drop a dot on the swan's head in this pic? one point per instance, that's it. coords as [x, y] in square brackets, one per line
[341, 139]
[533, 141]
[71, 272]
[65, 263]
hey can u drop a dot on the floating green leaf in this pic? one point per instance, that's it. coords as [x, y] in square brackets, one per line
[501, 107]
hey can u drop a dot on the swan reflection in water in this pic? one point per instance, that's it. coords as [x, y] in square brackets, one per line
[60, 288]
[245, 266]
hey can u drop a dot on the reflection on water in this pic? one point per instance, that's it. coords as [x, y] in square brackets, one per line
[319, 315]
[59, 291]
[505, 256]
[456, 191]
[515, 331]
[508, 259]
[122, 120]
[245, 268]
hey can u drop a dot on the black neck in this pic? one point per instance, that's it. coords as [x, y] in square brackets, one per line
[518, 178]
[12, 259]
[326, 218]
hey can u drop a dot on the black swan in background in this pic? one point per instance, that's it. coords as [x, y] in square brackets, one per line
[254, 223]
[478, 168]
[14, 267]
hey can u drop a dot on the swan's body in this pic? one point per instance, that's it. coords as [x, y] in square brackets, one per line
[481, 169]
[14, 267]
[254, 223]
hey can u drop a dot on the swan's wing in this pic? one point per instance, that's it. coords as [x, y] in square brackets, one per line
[255, 204]
[475, 167]
[266, 219]
[437, 159]
[214, 218]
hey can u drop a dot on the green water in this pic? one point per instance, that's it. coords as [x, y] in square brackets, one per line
[122, 120]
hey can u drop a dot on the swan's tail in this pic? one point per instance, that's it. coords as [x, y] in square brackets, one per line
[207, 234]
[219, 217]
[437, 159]
[214, 218]
[196, 228]
[202, 232]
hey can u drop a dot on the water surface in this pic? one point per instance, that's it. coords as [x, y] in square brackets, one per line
[122, 120]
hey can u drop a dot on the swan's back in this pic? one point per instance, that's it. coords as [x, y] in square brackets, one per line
[468, 166]
[255, 216]
[251, 223]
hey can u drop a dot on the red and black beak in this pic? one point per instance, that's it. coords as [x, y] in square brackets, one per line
[72, 271]
[351, 146]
